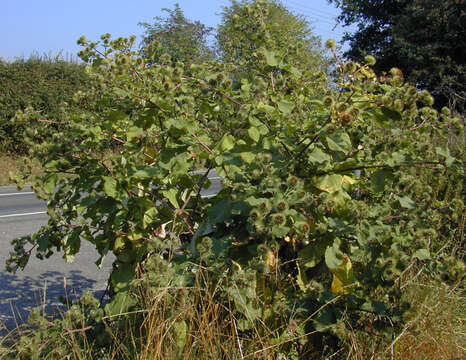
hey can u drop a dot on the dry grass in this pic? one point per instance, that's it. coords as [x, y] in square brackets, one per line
[188, 323]
[436, 328]
[191, 324]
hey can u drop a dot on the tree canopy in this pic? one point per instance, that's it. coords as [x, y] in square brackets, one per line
[426, 39]
[240, 35]
[184, 40]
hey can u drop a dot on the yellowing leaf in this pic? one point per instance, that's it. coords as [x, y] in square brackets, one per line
[248, 157]
[348, 180]
[343, 277]
[330, 183]
[238, 266]
[271, 259]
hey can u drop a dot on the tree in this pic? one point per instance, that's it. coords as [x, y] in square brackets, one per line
[247, 26]
[295, 240]
[177, 36]
[426, 39]
[42, 82]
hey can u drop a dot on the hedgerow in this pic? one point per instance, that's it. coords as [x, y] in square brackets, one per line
[330, 194]
[44, 83]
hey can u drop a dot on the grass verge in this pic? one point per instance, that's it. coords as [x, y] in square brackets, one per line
[13, 163]
[189, 323]
[435, 328]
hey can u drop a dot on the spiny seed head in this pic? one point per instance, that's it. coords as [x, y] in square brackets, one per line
[398, 105]
[428, 99]
[82, 40]
[278, 219]
[301, 194]
[256, 173]
[342, 107]
[281, 205]
[370, 60]
[292, 180]
[255, 214]
[328, 100]
[265, 206]
[346, 118]
[386, 100]
[397, 80]
[330, 44]
[412, 91]
[303, 227]
[354, 111]
[396, 72]
[349, 67]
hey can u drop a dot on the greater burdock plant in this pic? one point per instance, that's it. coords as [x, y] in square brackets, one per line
[329, 194]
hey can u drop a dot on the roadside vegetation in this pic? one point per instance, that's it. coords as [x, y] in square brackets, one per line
[339, 231]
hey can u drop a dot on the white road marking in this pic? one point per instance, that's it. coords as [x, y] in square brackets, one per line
[208, 196]
[24, 214]
[19, 193]
[44, 212]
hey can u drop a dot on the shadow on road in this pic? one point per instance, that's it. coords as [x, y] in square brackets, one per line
[20, 294]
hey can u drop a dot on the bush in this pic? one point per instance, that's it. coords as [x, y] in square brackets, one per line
[43, 83]
[326, 199]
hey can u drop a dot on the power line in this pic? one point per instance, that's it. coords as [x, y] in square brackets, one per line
[312, 9]
[308, 14]
[316, 19]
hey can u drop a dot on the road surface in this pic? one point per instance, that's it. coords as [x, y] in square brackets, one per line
[43, 282]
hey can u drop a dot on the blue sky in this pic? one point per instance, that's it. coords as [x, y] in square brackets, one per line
[53, 26]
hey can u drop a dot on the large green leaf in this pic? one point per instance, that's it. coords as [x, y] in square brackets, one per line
[120, 304]
[254, 133]
[333, 255]
[391, 114]
[111, 186]
[286, 107]
[312, 254]
[171, 195]
[318, 157]
[50, 181]
[340, 142]
[406, 202]
[122, 277]
[270, 57]
[227, 143]
[445, 152]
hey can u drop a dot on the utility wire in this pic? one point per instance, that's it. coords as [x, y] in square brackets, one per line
[312, 9]
[314, 17]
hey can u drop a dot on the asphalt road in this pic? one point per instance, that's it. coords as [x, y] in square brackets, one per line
[43, 282]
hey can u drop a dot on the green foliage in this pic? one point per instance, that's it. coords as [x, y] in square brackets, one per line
[43, 83]
[249, 27]
[324, 203]
[178, 37]
[424, 38]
